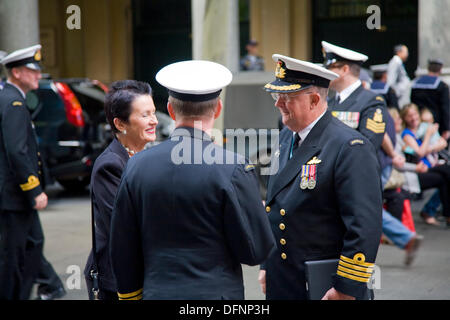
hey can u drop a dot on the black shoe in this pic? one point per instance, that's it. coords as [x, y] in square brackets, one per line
[52, 295]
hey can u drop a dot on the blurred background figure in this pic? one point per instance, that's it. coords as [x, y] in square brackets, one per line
[424, 149]
[21, 177]
[397, 77]
[380, 87]
[417, 178]
[365, 78]
[252, 61]
[2, 75]
[429, 91]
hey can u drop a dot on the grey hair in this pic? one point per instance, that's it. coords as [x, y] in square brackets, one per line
[398, 48]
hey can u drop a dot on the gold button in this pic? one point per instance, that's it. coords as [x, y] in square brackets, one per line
[282, 226]
[282, 212]
[38, 153]
[283, 256]
[282, 241]
[39, 172]
[267, 209]
[39, 163]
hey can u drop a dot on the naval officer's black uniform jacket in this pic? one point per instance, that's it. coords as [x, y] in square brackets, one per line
[364, 111]
[433, 93]
[20, 164]
[105, 180]
[339, 218]
[21, 180]
[181, 231]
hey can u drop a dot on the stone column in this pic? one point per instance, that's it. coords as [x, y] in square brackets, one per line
[19, 24]
[215, 36]
[434, 38]
[215, 31]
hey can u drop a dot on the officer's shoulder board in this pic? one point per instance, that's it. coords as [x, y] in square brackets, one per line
[17, 103]
[356, 142]
[249, 167]
[379, 98]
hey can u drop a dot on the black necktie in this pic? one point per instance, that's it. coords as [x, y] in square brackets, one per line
[296, 139]
[338, 99]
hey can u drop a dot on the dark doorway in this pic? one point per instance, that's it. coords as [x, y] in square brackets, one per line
[343, 23]
[162, 35]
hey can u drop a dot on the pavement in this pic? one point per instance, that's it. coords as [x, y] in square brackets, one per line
[67, 229]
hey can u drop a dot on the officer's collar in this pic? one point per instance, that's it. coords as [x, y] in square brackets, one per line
[17, 87]
[191, 132]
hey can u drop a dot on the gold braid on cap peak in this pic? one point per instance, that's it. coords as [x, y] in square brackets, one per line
[283, 88]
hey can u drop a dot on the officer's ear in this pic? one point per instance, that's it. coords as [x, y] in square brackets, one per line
[218, 109]
[314, 99]
[14, 73]
[171, 111]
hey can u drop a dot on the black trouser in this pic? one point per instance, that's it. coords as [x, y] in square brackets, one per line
[438, 177]
[103, 294]
[19, 257]
[47, 278]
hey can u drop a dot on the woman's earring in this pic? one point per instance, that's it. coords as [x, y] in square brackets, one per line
[124, 132]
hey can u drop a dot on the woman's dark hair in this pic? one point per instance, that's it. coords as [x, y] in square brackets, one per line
[119, 98]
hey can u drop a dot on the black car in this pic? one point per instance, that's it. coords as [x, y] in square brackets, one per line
[72, 129]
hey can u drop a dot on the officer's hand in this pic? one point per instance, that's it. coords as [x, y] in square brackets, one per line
[40, 201]
[262, 280]
[333, 294]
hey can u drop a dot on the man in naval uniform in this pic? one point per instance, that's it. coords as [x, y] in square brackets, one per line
[21, 190]
[188, 212]
[380, 87]
[325, 201]
[355, 106]
[366, 112]
[429, 91]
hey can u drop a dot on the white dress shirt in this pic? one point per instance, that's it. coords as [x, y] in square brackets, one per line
[344, 94]
[304, 133]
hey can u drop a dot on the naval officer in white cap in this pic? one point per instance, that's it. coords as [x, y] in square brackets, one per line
[325, 201]
[182, 225]
[21, 189]
[356, 106]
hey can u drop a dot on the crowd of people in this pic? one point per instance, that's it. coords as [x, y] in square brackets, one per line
[168, 229]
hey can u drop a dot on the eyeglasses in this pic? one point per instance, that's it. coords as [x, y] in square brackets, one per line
[286, 96]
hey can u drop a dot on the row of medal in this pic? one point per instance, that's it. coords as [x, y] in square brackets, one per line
[308, 177]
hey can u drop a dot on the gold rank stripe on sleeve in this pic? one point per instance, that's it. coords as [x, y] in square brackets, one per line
[375, 126]
[355, 269]
[351, 277]
[136, 295]
[354, 272]
[367, 270]
[358, 259]
[32, 183]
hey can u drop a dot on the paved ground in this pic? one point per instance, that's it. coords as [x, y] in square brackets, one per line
[66, 224]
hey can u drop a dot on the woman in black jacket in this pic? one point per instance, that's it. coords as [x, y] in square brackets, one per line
[130, 111]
